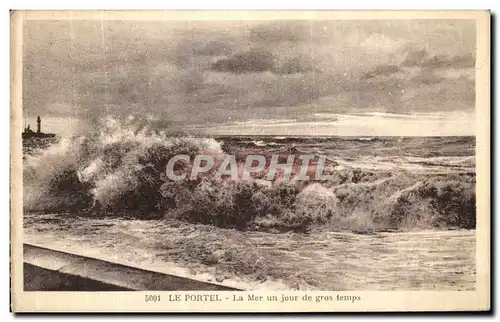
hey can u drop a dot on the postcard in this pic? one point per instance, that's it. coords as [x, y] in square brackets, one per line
[250, 161]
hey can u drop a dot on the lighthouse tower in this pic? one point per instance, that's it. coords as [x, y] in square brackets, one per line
[38, 125]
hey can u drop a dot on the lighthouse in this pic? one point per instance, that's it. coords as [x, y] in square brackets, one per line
[29, 134]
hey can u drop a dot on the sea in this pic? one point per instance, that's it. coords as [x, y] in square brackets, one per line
[398, 213]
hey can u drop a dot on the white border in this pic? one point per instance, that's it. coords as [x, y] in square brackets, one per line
[186, 4]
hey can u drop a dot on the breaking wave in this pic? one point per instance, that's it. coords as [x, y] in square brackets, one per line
[261, 143]
[118, 169]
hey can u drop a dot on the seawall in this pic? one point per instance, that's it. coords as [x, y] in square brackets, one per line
[52, 270]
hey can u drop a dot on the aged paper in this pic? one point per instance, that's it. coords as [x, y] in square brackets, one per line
[245, 161]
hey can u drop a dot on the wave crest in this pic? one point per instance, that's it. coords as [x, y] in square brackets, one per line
[119, 169]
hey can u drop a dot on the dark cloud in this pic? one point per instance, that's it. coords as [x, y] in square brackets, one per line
[197, 72]
[421, 58]
[456, 62]
[255, 60]
[260, 60]
[382, 70]
[295, 65]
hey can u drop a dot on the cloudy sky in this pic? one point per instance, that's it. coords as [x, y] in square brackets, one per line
[326, 77]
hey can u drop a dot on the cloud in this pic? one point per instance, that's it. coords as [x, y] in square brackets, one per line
[267, 89]
[421, 58]
[255, 60]
[259, 60]
[382, 70]
[456, 62]
[450, 95]
[199, 72]
[421, 81]
[296, 65]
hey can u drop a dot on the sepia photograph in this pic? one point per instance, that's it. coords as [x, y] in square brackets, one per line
[225, 153]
